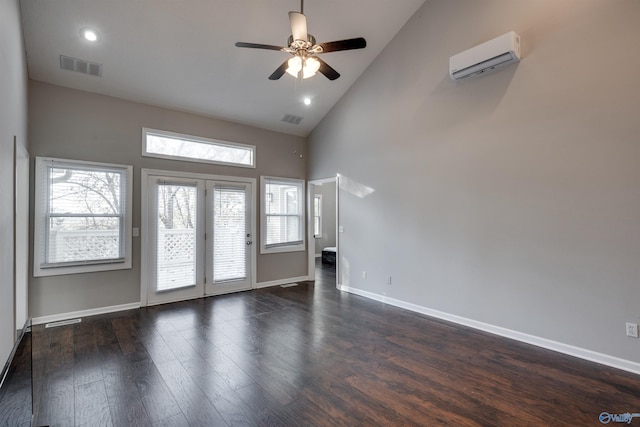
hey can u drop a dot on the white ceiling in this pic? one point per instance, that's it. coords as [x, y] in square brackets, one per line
[180, 54]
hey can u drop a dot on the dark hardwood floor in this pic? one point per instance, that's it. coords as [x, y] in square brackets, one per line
[309, 355]
[15, 390]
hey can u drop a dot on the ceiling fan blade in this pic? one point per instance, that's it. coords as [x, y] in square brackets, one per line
[327, 70]
[280, 71]
[258, 46]
[349, 44]
[298, 26]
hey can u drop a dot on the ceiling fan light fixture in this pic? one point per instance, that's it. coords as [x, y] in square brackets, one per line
[295, 65]
[311, 67]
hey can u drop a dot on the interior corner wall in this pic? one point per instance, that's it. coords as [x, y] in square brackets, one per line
[13, 122]
[511, 199]
[72, 124]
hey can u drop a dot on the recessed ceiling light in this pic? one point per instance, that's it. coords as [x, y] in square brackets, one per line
[307, 101]
[89, 34]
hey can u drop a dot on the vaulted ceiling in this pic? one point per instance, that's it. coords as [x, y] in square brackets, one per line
[181, 54]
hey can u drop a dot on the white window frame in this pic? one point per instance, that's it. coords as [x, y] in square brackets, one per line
[40, 218]
[197, 139]
[317, 197]
[297, 246]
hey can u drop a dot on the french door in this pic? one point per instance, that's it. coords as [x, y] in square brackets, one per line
[199, 238]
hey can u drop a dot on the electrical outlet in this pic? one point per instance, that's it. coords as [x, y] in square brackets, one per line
[364, 274]
[632, 330]
[388, 280]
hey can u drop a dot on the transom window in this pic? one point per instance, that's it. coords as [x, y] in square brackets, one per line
[169, 145]
[83, 217]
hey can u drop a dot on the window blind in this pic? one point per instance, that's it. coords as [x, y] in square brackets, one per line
[230, 233]
[84, 214]
[283, 212]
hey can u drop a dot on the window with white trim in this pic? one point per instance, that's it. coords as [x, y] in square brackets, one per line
[82, 217]
[176, 146]
[317, 216]
[282, 215]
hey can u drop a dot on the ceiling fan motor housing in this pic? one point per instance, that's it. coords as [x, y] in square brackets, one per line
[301, 44]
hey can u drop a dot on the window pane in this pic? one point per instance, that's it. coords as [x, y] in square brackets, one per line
[282, 198]
[317, 215]
[198, 150]
[176, 234]
[293, 229]
[291, 195]
[84, 211]
[83, 239]
[80, 191]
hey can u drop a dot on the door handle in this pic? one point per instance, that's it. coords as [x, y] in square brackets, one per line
[249, 242]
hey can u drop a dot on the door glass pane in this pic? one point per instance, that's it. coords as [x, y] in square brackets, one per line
[176, 234]
[229, 235]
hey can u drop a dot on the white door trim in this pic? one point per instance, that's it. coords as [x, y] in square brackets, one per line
[21, 233]
[146, 209]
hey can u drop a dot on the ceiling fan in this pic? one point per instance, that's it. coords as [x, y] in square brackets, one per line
[304, 49]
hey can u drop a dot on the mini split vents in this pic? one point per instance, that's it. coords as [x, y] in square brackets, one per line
[290, 118]
[80, 66]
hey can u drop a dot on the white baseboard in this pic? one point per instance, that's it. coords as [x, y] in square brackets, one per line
[84, 313]
[593, 356]
[280, 282]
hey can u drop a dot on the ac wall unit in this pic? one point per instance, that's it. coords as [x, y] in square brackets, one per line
[496, 53]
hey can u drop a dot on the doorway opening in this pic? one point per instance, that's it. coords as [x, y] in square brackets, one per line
[323, 240]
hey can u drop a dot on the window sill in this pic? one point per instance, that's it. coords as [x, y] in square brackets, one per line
[282, 249]
[78, 269]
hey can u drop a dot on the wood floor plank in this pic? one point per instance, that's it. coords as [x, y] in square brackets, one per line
[154, 392]
[177, 420]
[194, 404]
[131, 413]
[92, 405]
[57, 401]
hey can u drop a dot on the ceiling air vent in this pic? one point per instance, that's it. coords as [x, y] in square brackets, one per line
[290, 118]
[80, 66]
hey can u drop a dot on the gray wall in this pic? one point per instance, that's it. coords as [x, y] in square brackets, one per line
[72, 124]
[328, 192]
[13, 122]
[512, 199]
